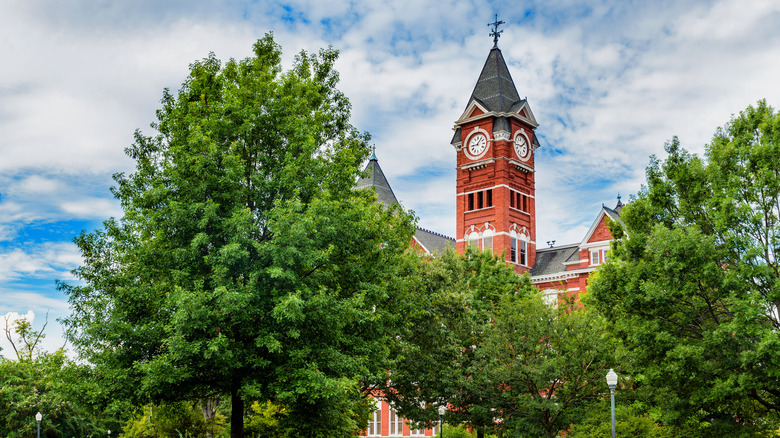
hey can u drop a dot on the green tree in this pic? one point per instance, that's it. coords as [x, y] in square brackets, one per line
[245, 263]
[693, 288]
[446, 301]
[540, 368]
[48, 383]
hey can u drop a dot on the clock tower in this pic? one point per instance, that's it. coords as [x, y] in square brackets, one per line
[495, 144]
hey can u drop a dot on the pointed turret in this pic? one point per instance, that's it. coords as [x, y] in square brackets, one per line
[495, 89]
[495, 95]
[376, 180]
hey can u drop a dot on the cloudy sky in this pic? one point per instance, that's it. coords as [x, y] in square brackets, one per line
[609, 81]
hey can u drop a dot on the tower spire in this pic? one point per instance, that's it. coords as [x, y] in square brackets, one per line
[496, 34]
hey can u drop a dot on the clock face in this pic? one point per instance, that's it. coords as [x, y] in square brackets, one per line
[477, 145]
[521, 146]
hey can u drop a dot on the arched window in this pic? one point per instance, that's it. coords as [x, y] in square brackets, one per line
[473, 240]
[487, 241]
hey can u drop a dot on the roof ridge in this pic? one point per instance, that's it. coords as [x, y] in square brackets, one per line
[435, 233]
[568, 245]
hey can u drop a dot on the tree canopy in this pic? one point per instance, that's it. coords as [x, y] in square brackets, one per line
[693, 285]
[245, 262]
[481, 340]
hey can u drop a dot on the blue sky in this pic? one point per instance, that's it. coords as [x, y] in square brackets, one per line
[609, 82]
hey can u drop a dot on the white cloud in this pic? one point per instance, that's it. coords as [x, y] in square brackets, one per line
[50, 260]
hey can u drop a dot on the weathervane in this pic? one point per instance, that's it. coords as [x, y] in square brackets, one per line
[496, 33]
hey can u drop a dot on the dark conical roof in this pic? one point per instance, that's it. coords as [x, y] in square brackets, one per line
[376, 180]
[495, 89]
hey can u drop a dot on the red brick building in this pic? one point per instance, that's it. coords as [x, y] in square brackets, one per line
[495, 143]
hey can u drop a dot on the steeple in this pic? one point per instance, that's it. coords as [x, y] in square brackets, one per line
[495, 182]
[375, 179]
[495, 89]
[495, 94]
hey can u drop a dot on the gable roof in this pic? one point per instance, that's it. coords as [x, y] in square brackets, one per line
[605, 211]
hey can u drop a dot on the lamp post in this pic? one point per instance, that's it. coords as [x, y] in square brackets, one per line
[612, 383]
[38, 418]
[442, 408]
[109, 433]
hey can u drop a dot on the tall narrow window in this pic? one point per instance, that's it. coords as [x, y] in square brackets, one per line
[375, 422]
[512, 199]
[525, 203]
[489, 194]
[594, 257]
[523, 253]
[513, 251]
[471, 201]
[479, 200]
[396, 423]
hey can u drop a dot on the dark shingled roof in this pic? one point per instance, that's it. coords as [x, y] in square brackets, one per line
[433, 242]
[495, 89]
[376, 179]
[550, 260]
[496, 92]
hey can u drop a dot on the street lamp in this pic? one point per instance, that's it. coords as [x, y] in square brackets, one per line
[38, 418]
[442, 408]
[612, 383]
[109, 433]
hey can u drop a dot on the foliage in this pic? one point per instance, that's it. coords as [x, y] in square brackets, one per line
[459, 431]
[263, 420]
[172, 420]
[629, 421]
[446, 299]
[481, 339]
[539, 368]
[694, 289]
[245, 263]
[51, 385]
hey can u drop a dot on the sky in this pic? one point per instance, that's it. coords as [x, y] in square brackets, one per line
[608, 81]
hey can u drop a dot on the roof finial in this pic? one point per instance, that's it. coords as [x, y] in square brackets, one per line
[620, 203]
[496, 33]
[373, 154]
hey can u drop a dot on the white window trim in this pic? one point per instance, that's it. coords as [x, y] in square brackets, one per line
[597, 254]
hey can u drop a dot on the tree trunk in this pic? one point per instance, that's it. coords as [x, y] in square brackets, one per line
[236, 414]
[209, 408]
